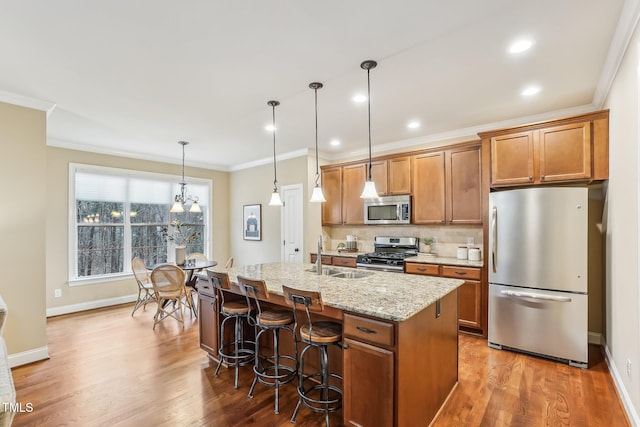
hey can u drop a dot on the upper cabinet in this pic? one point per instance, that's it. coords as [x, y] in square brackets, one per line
[464, 189]
[392, 176]
[332, 189]
[428, 188]
[353, 178]
[573, 149]
[447, 186]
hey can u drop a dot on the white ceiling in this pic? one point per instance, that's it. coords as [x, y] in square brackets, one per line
[133, 78]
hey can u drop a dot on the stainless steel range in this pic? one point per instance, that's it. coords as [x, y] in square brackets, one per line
[389, 253]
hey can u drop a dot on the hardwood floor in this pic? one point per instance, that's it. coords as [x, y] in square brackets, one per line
[108, 368]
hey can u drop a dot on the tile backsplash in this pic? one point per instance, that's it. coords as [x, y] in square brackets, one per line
[448, 237]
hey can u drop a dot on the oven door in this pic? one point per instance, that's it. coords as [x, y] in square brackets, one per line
[381, 267]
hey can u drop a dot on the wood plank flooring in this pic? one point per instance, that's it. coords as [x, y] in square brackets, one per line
[110, 369]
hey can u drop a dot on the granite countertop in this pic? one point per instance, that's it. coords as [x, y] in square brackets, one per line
[430, 259]
[384, 295]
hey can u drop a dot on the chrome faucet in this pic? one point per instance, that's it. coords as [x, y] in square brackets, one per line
[319, 256]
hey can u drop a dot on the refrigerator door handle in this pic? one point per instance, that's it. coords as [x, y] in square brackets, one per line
[494, 232]
[535, 296]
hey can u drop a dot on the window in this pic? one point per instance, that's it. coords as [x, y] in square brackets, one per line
[119, 214]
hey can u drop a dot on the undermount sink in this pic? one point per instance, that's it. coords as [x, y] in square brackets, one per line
[350, 275]
[340, 274]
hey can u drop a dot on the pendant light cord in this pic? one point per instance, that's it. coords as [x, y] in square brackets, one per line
[369, 118]
[316, 105]
[275, 174]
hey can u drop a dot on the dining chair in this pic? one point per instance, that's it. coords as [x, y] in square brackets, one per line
[229, 263]
[198, 256]
[169, 287]
[146, 294]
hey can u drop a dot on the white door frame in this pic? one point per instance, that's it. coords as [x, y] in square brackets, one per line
[283, 220]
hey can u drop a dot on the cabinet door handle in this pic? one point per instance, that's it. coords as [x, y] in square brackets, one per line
[541, 176]
[461, 273]
[366, 330]
[530, 178]
[421, 269]
[345, 346]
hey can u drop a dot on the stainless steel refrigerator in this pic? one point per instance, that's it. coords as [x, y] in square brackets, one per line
[539, 271]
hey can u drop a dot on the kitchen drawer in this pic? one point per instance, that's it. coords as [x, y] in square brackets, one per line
[344, 261]
[205, 288]
[326, 259]
[419, 268]
[467, 273]
[369, 330]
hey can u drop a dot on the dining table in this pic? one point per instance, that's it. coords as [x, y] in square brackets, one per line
[190, 267]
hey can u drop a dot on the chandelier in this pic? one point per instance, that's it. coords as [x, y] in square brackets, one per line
[183, 198]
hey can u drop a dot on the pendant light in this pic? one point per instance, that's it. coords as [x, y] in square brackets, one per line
[182, 198]
[317, 196]
[369, 191]
[275, 196]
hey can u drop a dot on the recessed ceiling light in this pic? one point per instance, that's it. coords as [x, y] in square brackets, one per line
[335, 142]
[520, 46]
[414, 124]
[531, 90]
[269, 128]
[360, 98]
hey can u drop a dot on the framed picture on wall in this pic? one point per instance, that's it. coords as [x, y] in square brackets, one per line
[252, 222]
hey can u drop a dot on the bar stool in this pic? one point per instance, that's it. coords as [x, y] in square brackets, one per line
[239, 352]
[319, 396]
[269, 370]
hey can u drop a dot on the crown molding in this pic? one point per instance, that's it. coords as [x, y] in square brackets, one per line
[70, 145]
[25, 101]
[627, 23]
[260, 162]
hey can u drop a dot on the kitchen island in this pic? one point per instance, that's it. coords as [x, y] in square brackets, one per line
[400, 345]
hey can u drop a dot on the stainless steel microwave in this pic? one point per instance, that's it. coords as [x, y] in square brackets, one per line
[388, 210]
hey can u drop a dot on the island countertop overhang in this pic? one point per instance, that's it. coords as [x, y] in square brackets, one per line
[383, 295]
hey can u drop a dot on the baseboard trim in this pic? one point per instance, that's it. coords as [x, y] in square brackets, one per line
[596, 338]
[90, 305]
[622, 391]
[29, 356]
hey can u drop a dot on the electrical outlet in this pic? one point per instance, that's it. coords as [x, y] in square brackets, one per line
[629, 368]
[57, 293]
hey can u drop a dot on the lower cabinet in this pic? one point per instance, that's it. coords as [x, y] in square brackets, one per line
[368, 385]
[470, 309]
[208, 319]
[342, 261]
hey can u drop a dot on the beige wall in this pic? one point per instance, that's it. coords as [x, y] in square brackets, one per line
[57, 178]
[622, 321]
[22, 253]
[254, 186]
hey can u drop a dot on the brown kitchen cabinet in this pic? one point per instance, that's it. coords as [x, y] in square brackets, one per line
[469, 295]
[326, 259]
[463, 185]
[369, 373]
[565, 150]
[342, 261]
[379, 175]
[447, 186]
[428, 176]
[470, 306]
[332, 189]
[392, 176]
[353, 178]
[208, 319]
